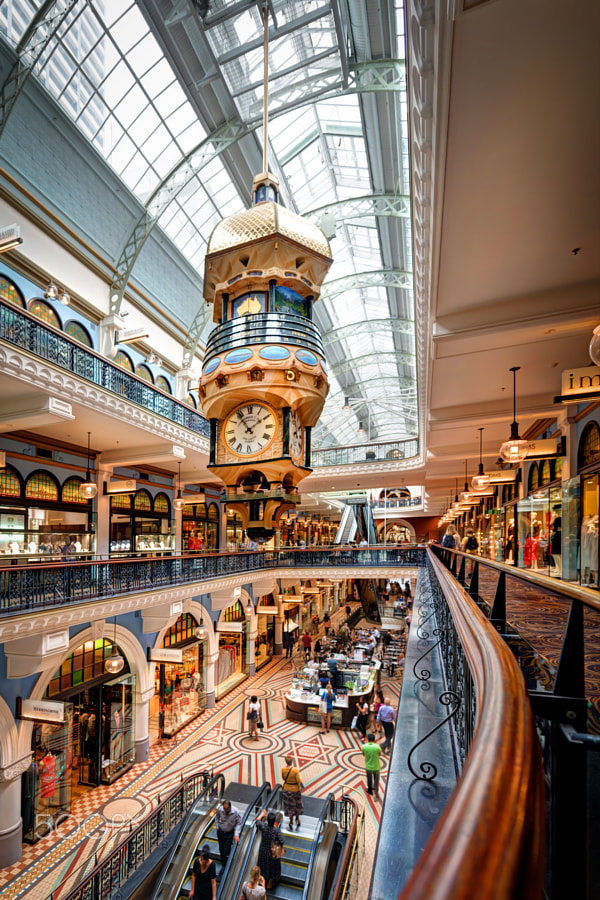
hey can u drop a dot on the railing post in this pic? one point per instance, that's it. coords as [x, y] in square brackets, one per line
[474, 583]
[461, 573]
[498, 611]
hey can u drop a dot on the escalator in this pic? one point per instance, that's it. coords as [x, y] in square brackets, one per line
[312, 853]
[365, 522]
[198, 829]
[347, 527]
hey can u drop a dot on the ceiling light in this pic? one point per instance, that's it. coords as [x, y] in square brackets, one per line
[480, 481]
[115, 662]
[515, 448]
[179, 502]
[595, 346]
[88, 489]
[51, 292]
[346, 407]
[64, 298]
[202, 630]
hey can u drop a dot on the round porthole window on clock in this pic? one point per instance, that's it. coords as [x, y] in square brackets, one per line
[211, 365]
[238, 356]
[274, 353]
[306, 357]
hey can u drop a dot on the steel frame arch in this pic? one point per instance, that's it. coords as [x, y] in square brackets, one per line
[388, 278]
[369, 326]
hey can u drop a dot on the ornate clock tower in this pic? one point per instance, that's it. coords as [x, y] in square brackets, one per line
[264, 380]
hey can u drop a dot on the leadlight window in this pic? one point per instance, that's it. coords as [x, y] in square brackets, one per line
[8, 291]
[163, 384]
[45, 313]
[181, 632]
[142, 501]
[589, 445]
[144, 372]
[71, 491]
[121, 501]
[558, 467]
[10, 485]
[191, 401]
[161, 503]
[78, 333]
[124, 361]
[213, 513]
[85, 664]
[41, 486]
[234, 613]
[545, 473]
[534, 477]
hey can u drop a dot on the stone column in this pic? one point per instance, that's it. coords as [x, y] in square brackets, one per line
[278, 649]
[250, 647]
[210, 679]
[178, 516]
[102, 501]
[142, 736]
[11, 823]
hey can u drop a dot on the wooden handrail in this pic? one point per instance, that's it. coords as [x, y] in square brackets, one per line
[490, 840]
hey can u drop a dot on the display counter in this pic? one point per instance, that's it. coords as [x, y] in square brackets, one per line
[303, 699]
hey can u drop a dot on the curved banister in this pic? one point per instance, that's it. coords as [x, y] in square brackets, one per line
[340, 885]
[323, 818]
[490, 840]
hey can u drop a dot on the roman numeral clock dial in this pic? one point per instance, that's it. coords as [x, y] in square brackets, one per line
[250, 429]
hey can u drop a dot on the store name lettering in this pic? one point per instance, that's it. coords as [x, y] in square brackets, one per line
[580, 381]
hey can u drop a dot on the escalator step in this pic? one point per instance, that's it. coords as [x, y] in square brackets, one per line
[285, 891]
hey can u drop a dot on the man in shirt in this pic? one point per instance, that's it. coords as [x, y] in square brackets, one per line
[307, 644]
[371, 752]
[387, 717]
[229, 824]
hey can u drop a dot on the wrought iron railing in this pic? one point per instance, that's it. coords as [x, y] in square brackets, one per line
[21, 329]
[264, 328]
[401, 503]
[388, 451]
[104, 872]
[55, 584]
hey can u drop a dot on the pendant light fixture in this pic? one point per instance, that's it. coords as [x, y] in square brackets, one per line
[480, 481]
[51, 292]
[179, 502]
[515, 449]
[115, 662]
[249, 609]
[467, 496]
[595, 346]
[202, 630]
[88, 489]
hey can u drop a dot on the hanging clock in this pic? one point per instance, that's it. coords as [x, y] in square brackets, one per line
[296, 435]
[250, 429]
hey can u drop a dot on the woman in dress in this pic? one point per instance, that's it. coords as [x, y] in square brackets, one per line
[378, 702]
[204, 877]
[268, 864]
[254, 888]
[292, 792]
[362, 717]
[253, 716]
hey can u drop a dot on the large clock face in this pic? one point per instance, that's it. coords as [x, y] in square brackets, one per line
[250, 429]
[296, 436]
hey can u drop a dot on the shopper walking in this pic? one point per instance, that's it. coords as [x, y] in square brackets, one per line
[290, 645]
[228, 822]
[306, 644]
[327, 698]
[371, 752]
[362, 709]
[253, 715]
[377, 704]
[293, 806]
[387, 717]
[326, 623]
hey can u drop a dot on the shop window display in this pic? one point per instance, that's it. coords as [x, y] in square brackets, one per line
[181, 686]
[539, 531]
[46, 786]
[118, 716]
[589, 530]
[570, 529]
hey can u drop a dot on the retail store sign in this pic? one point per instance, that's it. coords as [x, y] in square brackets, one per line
[49, 711]
[231, 627]
[164, 655]
[124, 486]
[508, 477]
[542, 448]
[579, 385]
[130, 335]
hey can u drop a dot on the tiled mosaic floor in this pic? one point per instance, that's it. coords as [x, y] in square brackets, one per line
[217, 739]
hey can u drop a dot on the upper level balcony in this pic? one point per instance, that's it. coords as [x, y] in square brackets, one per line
[384, 452]
[265, 328]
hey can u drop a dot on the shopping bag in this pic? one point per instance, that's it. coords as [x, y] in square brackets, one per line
[354, 721]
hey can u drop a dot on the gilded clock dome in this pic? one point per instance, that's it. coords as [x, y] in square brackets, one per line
[265, 220]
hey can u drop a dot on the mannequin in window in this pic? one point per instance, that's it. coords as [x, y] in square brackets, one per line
[589, 549]
[556, 548]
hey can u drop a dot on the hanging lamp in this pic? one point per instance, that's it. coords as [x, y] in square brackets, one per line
[202, 630]
[515, 448]
[115, 662]
[595, 346]
[480, 481]
[467, 496]
[179, 502]
[88, 489]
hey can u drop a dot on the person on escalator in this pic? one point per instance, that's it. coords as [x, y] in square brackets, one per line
[204, 877]
[229, 824]
[254, 888]
[270, 865]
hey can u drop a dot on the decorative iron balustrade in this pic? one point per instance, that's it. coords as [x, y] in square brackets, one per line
[401, 503]
[388, 451]
[23, 330]
[264, 328]
[55, 584]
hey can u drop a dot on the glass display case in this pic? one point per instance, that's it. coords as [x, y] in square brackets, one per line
[570, 529]
[146, 542]
[46, 784]
[118, 719]
[590, 508]
[539, 526]
[46, 545]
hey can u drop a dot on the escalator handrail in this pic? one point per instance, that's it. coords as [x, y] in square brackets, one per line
[347, 859]
[219, 778]
[273, 800]
[266, 786]
[327, 809]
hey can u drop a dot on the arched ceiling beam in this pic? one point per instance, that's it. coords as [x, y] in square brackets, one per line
[369, 326]
[349, 365]
[388, 278]
[378, 75]
[36, 38]
[363, 207]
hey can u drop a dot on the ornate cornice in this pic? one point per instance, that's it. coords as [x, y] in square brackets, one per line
[15, 769]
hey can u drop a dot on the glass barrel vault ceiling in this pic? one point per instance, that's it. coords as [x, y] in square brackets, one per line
[107, 70]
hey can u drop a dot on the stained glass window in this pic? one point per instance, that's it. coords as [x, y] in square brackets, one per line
[144, 372]
[124, 361]
[9, 292]
[9, 483]
[201, 511]
[558, 467]
[163, 384]
[190, 400]
[78, 333]
[213, 512]
[71, 492]
[534, 477]
[589, 445]
[161, 503]
[121, 501]
[545, 473]
[86, 663]
[142, 500]
[44, 312]
[41, 486]
[183, 630]
[234, 613]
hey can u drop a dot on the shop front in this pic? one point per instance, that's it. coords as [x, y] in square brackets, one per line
[236, 535]
[179, 677]
[581, 514]
[264, 647]
[140, 524]
[539, 518]
[291, 619]
[232, 665]
[42, 519]
[200, 526]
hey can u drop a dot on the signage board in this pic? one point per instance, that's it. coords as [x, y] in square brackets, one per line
[123, 486]
[49, 711]
[129, 335]
[164, 655]
[547, 447]
[580, 381]
[503, 477]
